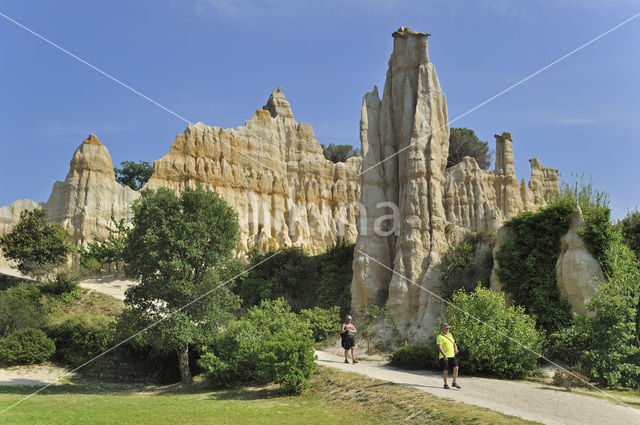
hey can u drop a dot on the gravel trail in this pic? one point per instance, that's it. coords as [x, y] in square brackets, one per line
[532, 401]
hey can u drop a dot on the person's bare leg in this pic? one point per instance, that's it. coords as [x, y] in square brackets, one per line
[455, 375]
[353, 354]
[444, 375]
[346, 356]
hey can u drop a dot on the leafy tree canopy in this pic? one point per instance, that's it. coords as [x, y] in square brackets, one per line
[630, 226]
[304, 281]
[339, 153]
[134, 175]
[37, 246]
[181, 248]
[464, 142]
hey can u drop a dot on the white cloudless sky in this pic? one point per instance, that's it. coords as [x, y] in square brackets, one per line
[217, 61]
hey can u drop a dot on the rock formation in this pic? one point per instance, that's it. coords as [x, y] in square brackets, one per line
[405, 139]
[273, 172]
[479, 200]
[90, 195]
[578, 272]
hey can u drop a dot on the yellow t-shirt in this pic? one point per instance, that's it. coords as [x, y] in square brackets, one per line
[447, 345]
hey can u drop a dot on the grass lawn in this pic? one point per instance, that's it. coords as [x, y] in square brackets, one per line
[334, 397]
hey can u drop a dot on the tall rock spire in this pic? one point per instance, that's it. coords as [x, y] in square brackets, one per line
[408, 131]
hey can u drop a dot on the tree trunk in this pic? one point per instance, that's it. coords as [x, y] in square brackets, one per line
[183, 364]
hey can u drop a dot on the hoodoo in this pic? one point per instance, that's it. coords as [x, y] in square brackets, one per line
[405, 143]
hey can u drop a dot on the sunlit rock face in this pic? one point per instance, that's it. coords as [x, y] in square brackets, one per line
[405, 142]
[90, 195]
[273, 173]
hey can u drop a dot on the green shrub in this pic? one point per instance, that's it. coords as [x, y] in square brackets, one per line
[269, 343]
[414, 356]
[20, 308]
[460, 269]
[322, 321]
[630, 228]
[80, 338]
[484, 350]
[62, 284]
[527, 264]
[26, 346]
[37, 246]
[304, 281]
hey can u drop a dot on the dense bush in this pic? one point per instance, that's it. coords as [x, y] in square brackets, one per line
[61, 284]
[485, 350]
[269, 343]
[603, 344]
[26, 346]
[527, 263]
[37, 246]
[20, 308]
[630, 227]
[105, 251]
[322, 321]
[304, 281]
[81, 337]
[414, 356]
[460, 269]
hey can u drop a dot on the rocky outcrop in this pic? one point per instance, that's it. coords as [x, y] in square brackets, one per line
[407, 130]
[405, 138]
[273, 172]
[90, 195]
[578, 272]
[481, 200]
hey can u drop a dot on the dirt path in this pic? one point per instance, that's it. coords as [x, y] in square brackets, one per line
[530, 401]
[36, 375]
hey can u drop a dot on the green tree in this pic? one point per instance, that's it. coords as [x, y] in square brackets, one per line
[465, 266]
[484, 349]
[269, 343]
[339, 153]
[37, 246]
[105, 251]
[464, 142]
[181, 248]
[630, 226]
[134, 175]
[304, 281]
[527, 263]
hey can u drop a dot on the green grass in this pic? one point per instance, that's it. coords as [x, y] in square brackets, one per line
[334, 397]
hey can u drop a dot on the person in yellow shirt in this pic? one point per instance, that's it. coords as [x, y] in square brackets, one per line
[448, 350]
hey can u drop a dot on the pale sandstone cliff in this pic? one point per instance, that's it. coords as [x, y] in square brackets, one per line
[578, 272]
[90, 195]
[435, 206]
[408, 126]
[272, 171]
[482, 200]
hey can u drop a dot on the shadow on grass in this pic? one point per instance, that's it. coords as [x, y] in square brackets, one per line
[248, 394]
[79, 386]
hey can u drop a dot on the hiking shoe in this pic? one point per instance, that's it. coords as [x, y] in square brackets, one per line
[355, 361]
[446, 387]
[456, 385]
[346, 361]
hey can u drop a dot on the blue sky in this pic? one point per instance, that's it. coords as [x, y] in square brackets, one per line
[217, 61]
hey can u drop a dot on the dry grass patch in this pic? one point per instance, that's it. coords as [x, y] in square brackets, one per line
[398, 404]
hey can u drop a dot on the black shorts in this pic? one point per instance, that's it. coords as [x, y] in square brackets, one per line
[449, 364]
[348, 341]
